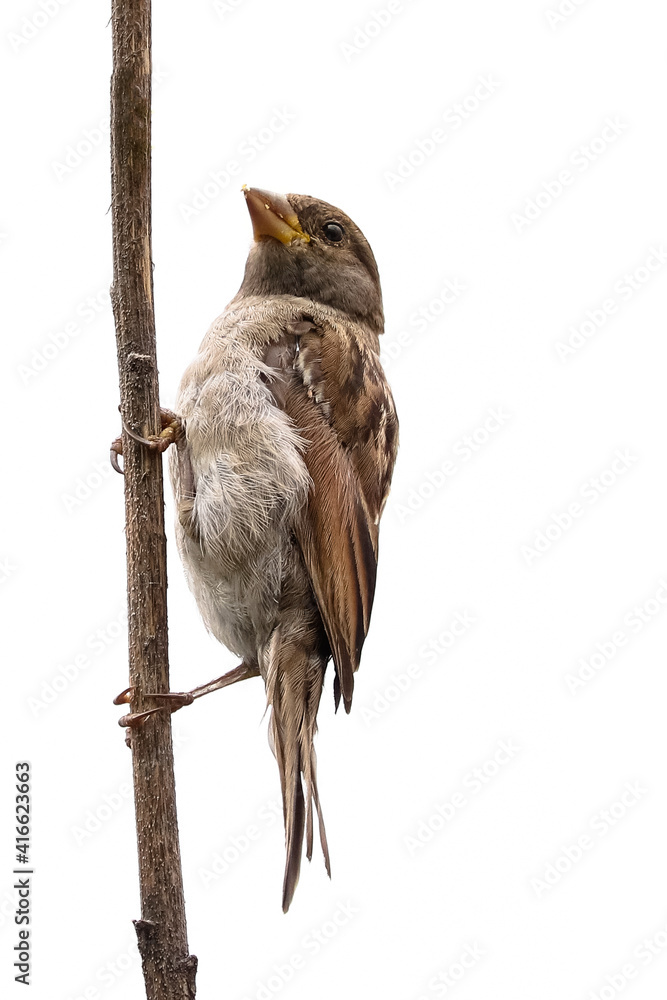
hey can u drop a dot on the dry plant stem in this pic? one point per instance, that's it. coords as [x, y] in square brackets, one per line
[169, 969]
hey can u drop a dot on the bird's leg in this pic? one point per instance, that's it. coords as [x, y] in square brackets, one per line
[172, 431]
[173, 700]
[239, 673]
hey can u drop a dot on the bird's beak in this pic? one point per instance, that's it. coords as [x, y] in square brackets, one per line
[272, 215]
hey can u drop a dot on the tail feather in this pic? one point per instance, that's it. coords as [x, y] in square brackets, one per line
[294, 684]
[294, 826]
[313, 796]
[309, 827]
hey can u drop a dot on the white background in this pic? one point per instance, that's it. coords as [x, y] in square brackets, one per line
[493, 877]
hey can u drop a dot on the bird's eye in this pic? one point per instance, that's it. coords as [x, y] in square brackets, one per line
[333, 231]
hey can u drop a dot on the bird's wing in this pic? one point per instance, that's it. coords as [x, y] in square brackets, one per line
[336, 394]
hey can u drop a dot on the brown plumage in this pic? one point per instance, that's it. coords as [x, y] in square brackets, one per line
[280, 478]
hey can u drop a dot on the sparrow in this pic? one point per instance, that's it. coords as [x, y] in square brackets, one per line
[284, 455]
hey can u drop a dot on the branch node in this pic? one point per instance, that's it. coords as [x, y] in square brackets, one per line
[144, 927]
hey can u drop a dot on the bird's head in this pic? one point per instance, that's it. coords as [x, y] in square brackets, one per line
[308, 248]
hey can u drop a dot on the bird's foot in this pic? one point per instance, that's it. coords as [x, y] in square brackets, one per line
[172, 431]
[173, 700]
[135, 719]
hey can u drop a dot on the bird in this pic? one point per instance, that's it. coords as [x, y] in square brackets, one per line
[285, 448]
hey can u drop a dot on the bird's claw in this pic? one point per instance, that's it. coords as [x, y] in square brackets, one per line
[136, 719]
[172, 431]
[115, 451]
[125, 697]
[173, 700]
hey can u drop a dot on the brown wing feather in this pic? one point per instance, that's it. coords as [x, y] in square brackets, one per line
[342, 372]
[338, 398]
[335, 541]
